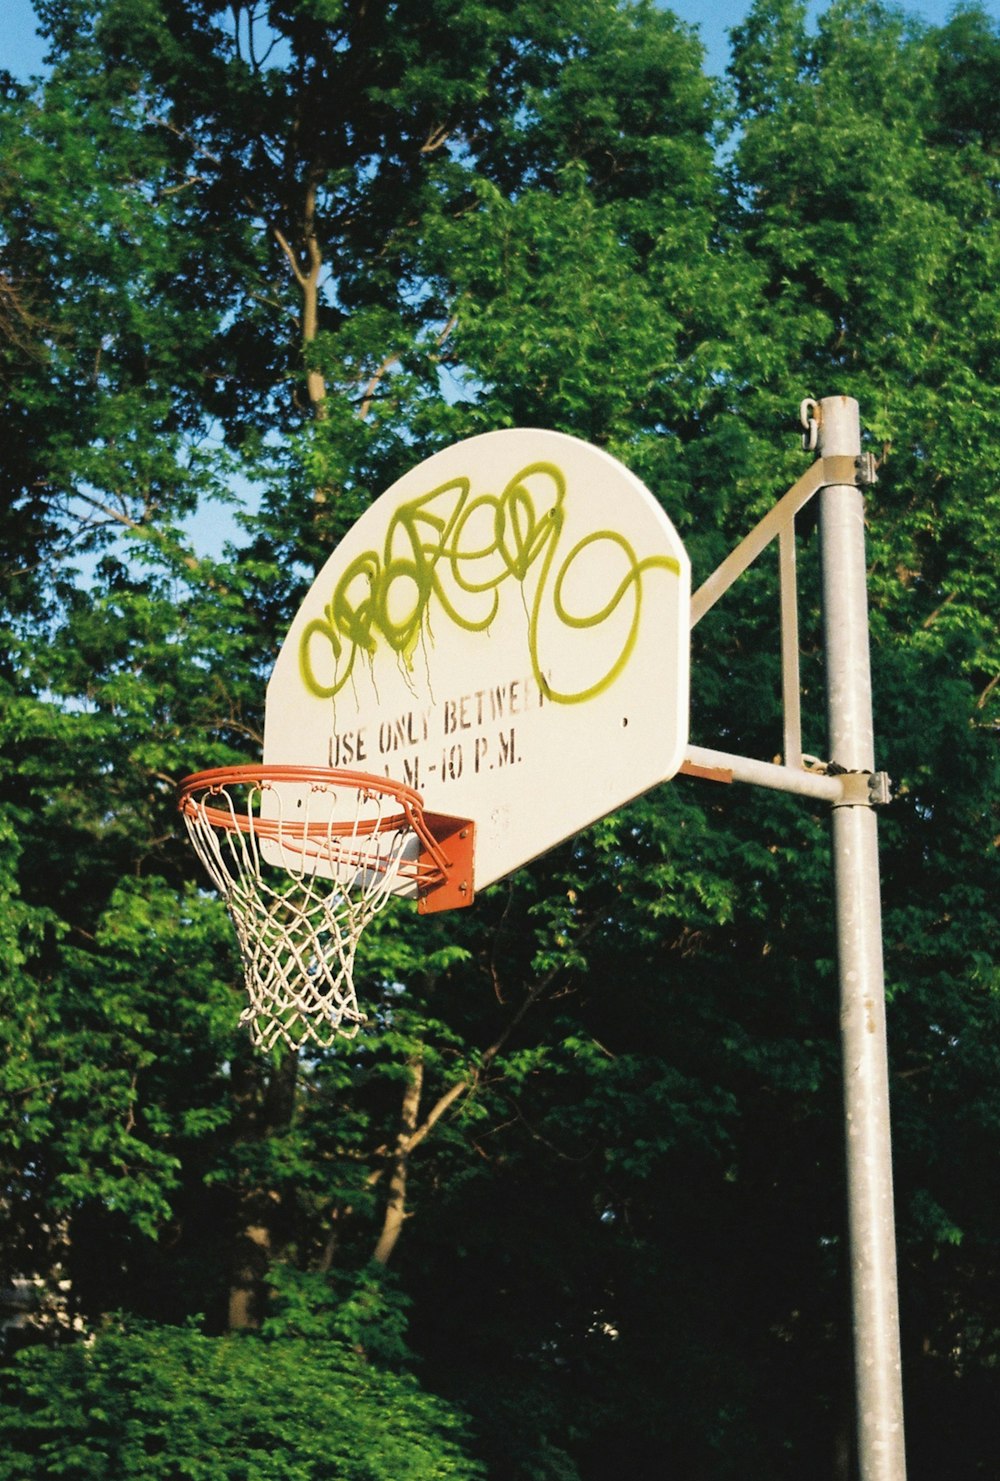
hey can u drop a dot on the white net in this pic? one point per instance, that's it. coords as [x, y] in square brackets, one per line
[300, 888]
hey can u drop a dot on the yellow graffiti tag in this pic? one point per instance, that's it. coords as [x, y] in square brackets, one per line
[450, 552]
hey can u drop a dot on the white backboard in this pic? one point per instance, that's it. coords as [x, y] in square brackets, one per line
[507, 630]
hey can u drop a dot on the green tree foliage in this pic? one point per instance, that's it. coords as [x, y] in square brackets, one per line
[585, 1163]
[169, 1402]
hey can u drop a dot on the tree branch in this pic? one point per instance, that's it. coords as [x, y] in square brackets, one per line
[437, 1111]
[929, 621]
[475, 1075]
[369, 392]
[147, 531]
[981, 701]
[435, 139]
[285, 246]
[411, 1134]
[372, 385]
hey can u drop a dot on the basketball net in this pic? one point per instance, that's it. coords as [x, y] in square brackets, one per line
[298, 928]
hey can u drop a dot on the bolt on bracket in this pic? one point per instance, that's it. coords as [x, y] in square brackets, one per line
[866, 468]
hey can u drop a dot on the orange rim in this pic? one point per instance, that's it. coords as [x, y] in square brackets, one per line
[432, 867]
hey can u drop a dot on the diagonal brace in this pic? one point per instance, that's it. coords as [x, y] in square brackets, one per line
[825, 471]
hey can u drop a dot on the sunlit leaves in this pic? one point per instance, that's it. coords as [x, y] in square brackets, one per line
[169, 1401]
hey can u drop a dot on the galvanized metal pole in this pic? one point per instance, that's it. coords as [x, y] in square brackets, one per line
[878, 1383]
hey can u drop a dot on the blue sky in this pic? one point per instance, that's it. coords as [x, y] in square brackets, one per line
[21, 51]
[715, 20]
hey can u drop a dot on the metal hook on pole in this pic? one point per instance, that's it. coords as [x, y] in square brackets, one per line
[809, 417]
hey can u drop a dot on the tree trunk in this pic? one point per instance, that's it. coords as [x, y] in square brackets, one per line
[251, 1262]
[267, 1103]
[315, 382]
[307, 271]
[395, 1208]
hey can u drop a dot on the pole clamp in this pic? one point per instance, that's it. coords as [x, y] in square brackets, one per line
[862, 788]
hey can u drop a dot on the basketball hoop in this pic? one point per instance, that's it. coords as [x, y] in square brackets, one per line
[305, 858]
